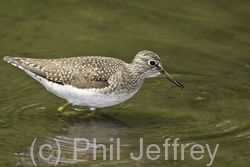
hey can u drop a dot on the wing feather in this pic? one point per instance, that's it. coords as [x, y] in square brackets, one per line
[80, 72]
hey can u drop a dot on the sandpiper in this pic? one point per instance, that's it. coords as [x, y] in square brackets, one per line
[93, 81]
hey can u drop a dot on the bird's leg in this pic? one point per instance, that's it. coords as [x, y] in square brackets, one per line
[69, 113]
[62, 108]
[92, 115]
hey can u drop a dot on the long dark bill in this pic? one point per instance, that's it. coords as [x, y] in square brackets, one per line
[168, 76]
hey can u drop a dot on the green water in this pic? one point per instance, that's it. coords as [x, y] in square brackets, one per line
[204, 44]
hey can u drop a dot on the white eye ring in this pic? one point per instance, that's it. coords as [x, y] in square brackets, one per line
[151, 62]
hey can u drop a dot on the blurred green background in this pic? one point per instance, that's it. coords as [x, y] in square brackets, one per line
[203, 44]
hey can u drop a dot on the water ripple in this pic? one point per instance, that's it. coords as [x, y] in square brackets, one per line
[222, 124]
[231, 129]
[243, 134]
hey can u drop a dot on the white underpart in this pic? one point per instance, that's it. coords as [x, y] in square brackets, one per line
[82, 97]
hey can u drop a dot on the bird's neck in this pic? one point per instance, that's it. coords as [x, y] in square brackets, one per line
[136, 74]
[130, 77]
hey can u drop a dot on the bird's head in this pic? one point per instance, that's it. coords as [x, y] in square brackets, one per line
[150, 65]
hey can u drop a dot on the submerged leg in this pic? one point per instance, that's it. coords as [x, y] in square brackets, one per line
[92, 115]
[61, 109]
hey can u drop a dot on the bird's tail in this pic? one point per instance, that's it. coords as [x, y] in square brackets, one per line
[13, 60]
[24, 64]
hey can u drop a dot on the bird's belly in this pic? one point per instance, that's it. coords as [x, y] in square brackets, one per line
[82, 97]
[87, 97]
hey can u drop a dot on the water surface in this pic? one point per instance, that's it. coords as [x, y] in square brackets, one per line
[205, 45]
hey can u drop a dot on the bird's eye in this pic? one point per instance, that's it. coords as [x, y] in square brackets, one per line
[151, 62]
